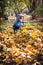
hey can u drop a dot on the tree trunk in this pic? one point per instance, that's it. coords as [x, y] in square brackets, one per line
[2, 8]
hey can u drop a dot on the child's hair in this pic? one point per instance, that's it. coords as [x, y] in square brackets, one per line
[20, 17]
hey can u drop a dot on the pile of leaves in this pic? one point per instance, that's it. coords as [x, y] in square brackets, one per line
[21, 46]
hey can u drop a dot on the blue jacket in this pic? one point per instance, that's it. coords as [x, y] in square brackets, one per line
[17, 25]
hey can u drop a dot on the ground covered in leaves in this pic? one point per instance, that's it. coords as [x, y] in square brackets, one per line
[21, 47]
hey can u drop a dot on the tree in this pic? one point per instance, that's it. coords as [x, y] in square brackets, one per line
[2, 7]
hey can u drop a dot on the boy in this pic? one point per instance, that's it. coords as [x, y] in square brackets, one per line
[18, 23]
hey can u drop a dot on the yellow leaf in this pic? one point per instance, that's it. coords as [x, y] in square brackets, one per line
[32, 53]
[24, 31]
[33, 35]
[29, 46]
[41, 33]
[30, 27]
[17, 60]
[2, 35]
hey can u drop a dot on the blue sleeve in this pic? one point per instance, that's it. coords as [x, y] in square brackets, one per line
[22, 23]
[18, 24]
